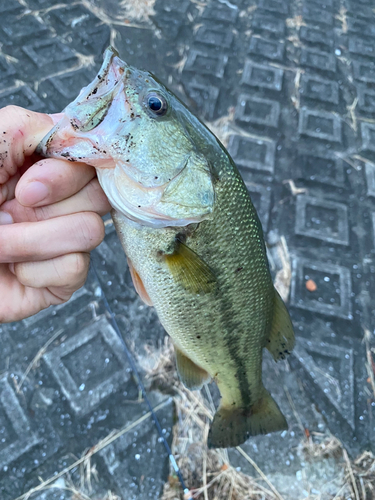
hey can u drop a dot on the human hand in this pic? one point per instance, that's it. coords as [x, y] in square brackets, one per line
[49, 219]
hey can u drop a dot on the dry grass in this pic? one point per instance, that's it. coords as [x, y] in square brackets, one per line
[200, 6]
[296, 97]
[293, 188]
[35, 362]
[87, 471]
[295, 22]
[138, 10]
[370, 363]
[352, 116]
[223, 127]
[342, 17]
[209, 473]
[362, 475]
[283, 276]
[318, 446]
[359, 478]
[131, 13]
[77, 491]
[162, 372]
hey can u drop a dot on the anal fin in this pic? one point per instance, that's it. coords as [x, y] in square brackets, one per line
[191, 375]
[281, 340]
[138, 284]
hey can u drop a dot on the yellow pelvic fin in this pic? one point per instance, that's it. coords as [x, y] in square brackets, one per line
[189, 270]
[191, 375]
[138, 284]
[281, 340]
[232, 427]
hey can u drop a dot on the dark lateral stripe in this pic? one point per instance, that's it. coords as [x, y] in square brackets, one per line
[232, 343]
[242, 380]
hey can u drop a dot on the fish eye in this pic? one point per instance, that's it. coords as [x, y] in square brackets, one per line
[157, 103]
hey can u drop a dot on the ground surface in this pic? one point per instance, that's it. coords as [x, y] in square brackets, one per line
[296, 81]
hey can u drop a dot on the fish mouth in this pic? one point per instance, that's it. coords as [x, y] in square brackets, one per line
[69, 138]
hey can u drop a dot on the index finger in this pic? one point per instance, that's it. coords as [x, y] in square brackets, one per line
[35, 241]
[21, 131]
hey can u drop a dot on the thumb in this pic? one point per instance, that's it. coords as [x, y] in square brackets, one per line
[21, 131]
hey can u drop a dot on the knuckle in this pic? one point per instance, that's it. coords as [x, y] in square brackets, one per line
[22, 271]
[95, 189]
[100, 198]
[41, 213]
[13, 242]
[11, 109]
[80, 265]
[4, 193]
[15, 117]
[92, 229]
[59, 295]
[93, 193]
[73, 276]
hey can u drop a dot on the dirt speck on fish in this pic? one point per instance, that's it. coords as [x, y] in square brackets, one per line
[191, 234]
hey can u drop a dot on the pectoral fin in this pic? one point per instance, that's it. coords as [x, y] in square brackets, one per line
[191, 375]
[281, 340]
[189, 270]
[138, 284]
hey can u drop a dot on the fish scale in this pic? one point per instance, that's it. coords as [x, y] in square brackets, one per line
[191, 234]
[240, 313]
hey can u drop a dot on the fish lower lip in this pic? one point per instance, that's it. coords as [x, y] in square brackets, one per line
[109, 74]
[91, 106]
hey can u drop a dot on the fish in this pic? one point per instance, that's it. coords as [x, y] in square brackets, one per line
[192, 237]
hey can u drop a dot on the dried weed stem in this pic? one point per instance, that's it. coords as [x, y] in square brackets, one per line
[209, 473]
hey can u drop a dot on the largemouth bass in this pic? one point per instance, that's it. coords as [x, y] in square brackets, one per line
[191, 234]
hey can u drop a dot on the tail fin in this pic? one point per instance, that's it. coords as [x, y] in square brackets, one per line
[232, 427]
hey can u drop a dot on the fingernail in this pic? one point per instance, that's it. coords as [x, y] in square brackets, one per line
[33, 193]
[5, 218]
[11, 268]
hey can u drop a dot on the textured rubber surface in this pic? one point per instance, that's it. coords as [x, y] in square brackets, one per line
[297, 82]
